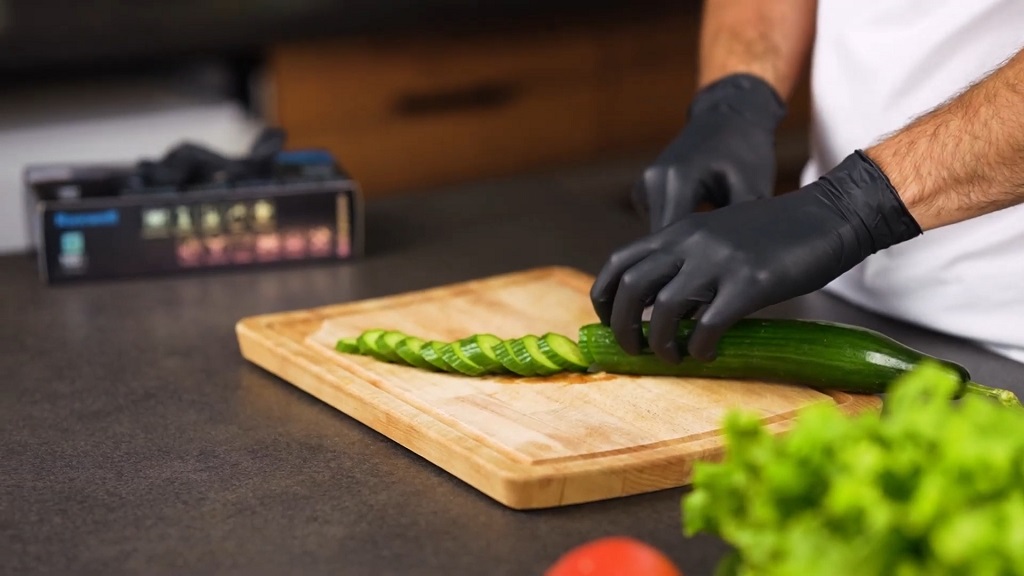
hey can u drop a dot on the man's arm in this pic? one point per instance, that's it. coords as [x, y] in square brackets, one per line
[966, 157]
[769, 39]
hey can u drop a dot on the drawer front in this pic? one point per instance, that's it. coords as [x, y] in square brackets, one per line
[427, 111]
[355, 85]
[538, 127]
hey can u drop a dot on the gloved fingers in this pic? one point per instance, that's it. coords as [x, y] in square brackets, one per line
[268, 144]
[159, 174]
[653, 185]
[730, 304]
[637, 287]
[602, 292]
[742, 187]
[678, 299]
[682, 195]
[194, 156]
[194, 162]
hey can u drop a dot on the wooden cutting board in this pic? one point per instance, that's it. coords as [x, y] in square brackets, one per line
[527, 442]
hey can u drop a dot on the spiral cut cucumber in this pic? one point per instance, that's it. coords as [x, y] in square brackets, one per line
[822, 355]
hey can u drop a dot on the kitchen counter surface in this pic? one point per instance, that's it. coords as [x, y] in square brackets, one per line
[137, 440]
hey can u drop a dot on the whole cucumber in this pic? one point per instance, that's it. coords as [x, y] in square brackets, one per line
[817, 354]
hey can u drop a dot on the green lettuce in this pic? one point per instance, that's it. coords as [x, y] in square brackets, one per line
[930, 486]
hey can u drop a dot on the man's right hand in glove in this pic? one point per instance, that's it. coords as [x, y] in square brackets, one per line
[725, 154]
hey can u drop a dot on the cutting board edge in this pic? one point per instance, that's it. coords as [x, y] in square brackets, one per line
[661, 468]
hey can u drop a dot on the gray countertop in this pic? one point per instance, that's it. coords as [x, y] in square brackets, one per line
[135, 439]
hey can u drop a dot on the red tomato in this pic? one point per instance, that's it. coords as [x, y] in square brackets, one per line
[614, 556]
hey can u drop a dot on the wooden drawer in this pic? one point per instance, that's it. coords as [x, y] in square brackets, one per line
[420, 112]
[537, 127]
[357, 84]
[428, 111]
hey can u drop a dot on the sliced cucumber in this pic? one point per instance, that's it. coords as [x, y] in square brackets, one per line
[347, 345]
[508, 359]
[368, 343]
[563, 352]
[453, 355]
[387, 344]
[479, 349]
[431, 352]
[528, 352]
[476, 355]
[584, 343]
[410, 350]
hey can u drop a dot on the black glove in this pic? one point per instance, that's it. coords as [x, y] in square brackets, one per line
[725, 155]
[745, 257]
[189, 164]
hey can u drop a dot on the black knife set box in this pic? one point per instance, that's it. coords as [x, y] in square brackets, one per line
[192, 211]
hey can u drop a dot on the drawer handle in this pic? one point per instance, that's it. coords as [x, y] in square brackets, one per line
[481, 96]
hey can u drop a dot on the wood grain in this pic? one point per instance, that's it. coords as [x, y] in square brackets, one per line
[525, 442]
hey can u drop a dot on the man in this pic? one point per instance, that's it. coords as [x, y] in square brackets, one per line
[912, 204]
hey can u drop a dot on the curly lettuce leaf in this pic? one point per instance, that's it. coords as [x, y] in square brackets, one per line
[932, 486]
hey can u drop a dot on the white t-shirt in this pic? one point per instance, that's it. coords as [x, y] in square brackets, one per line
[876, 66]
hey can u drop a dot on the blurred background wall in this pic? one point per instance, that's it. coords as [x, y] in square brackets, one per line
[409, 94]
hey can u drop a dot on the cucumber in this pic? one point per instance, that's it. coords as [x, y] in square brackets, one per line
[563, 352]
[453, 355]
[367, 342]
[779, 350]
[431, 352]
[816, 354]
[527, 351]
[410, 351]
[479, 349]
[347, 345]
[387, 343]
[508, 359]
[584, 344]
